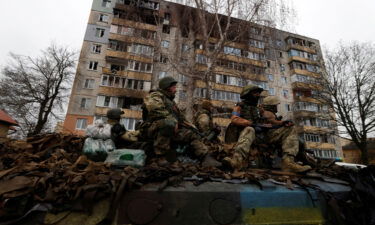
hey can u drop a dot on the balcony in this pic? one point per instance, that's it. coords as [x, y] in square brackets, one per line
[302, 48]
[128, 55]
[128, 74]
[301, 59]
[305, 72]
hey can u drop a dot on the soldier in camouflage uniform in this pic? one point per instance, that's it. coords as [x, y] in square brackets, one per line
[286, 135]
[164, 123]
[204, 122]
[246, 118]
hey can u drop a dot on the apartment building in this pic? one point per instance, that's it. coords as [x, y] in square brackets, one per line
[127, 49]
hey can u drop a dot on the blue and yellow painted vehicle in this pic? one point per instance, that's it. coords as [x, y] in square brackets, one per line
[211, 203]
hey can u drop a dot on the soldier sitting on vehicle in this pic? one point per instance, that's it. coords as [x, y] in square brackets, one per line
[247, 119]
[203, 121]
[164, 124]
[120, 136]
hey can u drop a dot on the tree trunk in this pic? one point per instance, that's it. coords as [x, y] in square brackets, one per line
[364, 154]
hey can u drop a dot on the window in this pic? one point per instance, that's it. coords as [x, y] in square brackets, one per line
[182, 95]
[280, 54]
[81, 124]
[93, 65]
[166, 29]
[163, 59]
[106, 3]
[107, 101]
[287, 107]
[279, 43]
[129, 123]
[270, 77]
[268, 63]
[282, 67]
[162, 74]
[182, 79]
[284, 80]
[99, 32]
[285, 93]
[271, 91]
[103, 18]
[89, 84]
[165, 44]
[96, 48]
[85, 103]
[202, 59]
[184, 48]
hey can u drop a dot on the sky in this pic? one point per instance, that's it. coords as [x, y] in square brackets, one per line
[29, 26]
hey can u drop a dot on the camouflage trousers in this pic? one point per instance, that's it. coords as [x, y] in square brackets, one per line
[164, 134]
[286, 136]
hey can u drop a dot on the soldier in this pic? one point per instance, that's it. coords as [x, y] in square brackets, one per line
[286, 135]
[203, 121]
[164, 123]
[120, 136]
[246, 119]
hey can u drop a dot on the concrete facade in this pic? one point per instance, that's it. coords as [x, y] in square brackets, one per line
[121, 74]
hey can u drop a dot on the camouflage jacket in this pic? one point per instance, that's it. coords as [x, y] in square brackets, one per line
[159, 105]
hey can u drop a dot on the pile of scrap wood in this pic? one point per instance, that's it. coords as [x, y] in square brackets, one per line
[49, 174]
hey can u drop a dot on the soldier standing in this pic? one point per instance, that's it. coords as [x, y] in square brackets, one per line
[164, 123]
[246, 118]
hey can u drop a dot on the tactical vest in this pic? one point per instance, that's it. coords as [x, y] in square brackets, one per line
[250, 112]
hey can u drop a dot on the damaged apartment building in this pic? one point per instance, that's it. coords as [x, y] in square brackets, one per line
[126, 51]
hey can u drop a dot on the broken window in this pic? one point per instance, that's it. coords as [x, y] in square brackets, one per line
[96, 48]
[99, 32]
[103, 18]
[163, 59]
[166, 29]
[131, 103]
[93, 65]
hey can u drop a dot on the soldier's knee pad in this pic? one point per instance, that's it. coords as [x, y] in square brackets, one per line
[167, 127]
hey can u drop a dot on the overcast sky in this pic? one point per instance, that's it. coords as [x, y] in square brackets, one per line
[30, 25]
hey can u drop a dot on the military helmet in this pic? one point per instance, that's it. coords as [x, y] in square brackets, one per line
[271, 100]
[166, 82]
[114, 114]
[249, 88]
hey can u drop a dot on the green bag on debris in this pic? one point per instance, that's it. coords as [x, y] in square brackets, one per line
[127, 157]
[97, 149]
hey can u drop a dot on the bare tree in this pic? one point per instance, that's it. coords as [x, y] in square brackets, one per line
[32, 88]
[350, 90]
[210, 25]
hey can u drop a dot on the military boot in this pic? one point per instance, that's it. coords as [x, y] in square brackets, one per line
[209, 161]
[289, 165]
[235, 162]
